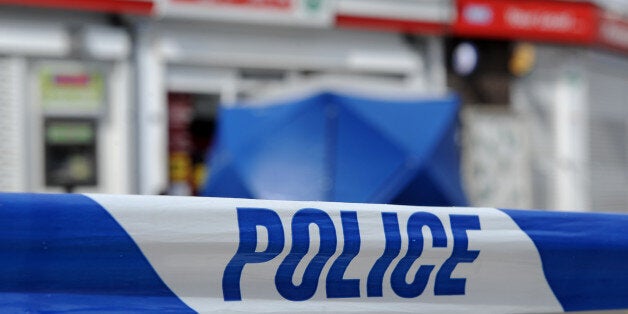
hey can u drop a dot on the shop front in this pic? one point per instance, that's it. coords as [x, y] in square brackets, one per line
[199, 55]
[66, 101]
[560, 111]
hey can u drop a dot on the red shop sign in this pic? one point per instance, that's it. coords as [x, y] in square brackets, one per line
[139, 7]
[280, 5]
[538, 20]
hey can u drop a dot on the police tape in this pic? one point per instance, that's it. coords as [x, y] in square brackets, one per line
[99, 253]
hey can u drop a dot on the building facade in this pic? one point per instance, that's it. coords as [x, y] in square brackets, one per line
[134, 85]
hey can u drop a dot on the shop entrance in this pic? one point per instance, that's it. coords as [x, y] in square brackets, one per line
[191, 126]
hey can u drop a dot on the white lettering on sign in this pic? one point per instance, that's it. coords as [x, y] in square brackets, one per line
[540, 20]
[478, 14]
[615, 34]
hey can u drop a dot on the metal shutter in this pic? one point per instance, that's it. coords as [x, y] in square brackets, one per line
[12, 137]
[608, 132]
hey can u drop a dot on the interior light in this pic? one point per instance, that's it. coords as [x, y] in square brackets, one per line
[465, 58]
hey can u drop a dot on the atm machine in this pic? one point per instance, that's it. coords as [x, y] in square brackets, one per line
[80, 128]
[70, 152]
[72, 97]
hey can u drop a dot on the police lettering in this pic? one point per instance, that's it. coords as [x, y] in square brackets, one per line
[337, 286]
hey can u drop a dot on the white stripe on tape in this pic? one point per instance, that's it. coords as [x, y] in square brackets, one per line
[191, 241]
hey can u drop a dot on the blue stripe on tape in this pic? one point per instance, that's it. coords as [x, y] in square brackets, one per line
[584, 255]
[66, 253]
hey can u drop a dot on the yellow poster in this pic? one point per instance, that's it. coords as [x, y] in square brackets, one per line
[72, 89]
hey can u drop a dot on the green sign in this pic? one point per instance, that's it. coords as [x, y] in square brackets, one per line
[313, 5]
[70, 133]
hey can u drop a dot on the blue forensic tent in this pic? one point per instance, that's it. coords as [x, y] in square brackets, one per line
[338, 147]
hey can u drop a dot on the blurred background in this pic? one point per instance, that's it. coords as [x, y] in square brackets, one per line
[500, 103]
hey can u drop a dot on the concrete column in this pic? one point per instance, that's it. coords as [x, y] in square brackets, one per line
[151, 115]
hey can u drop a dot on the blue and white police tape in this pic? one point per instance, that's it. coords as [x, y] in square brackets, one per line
[99, 253]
